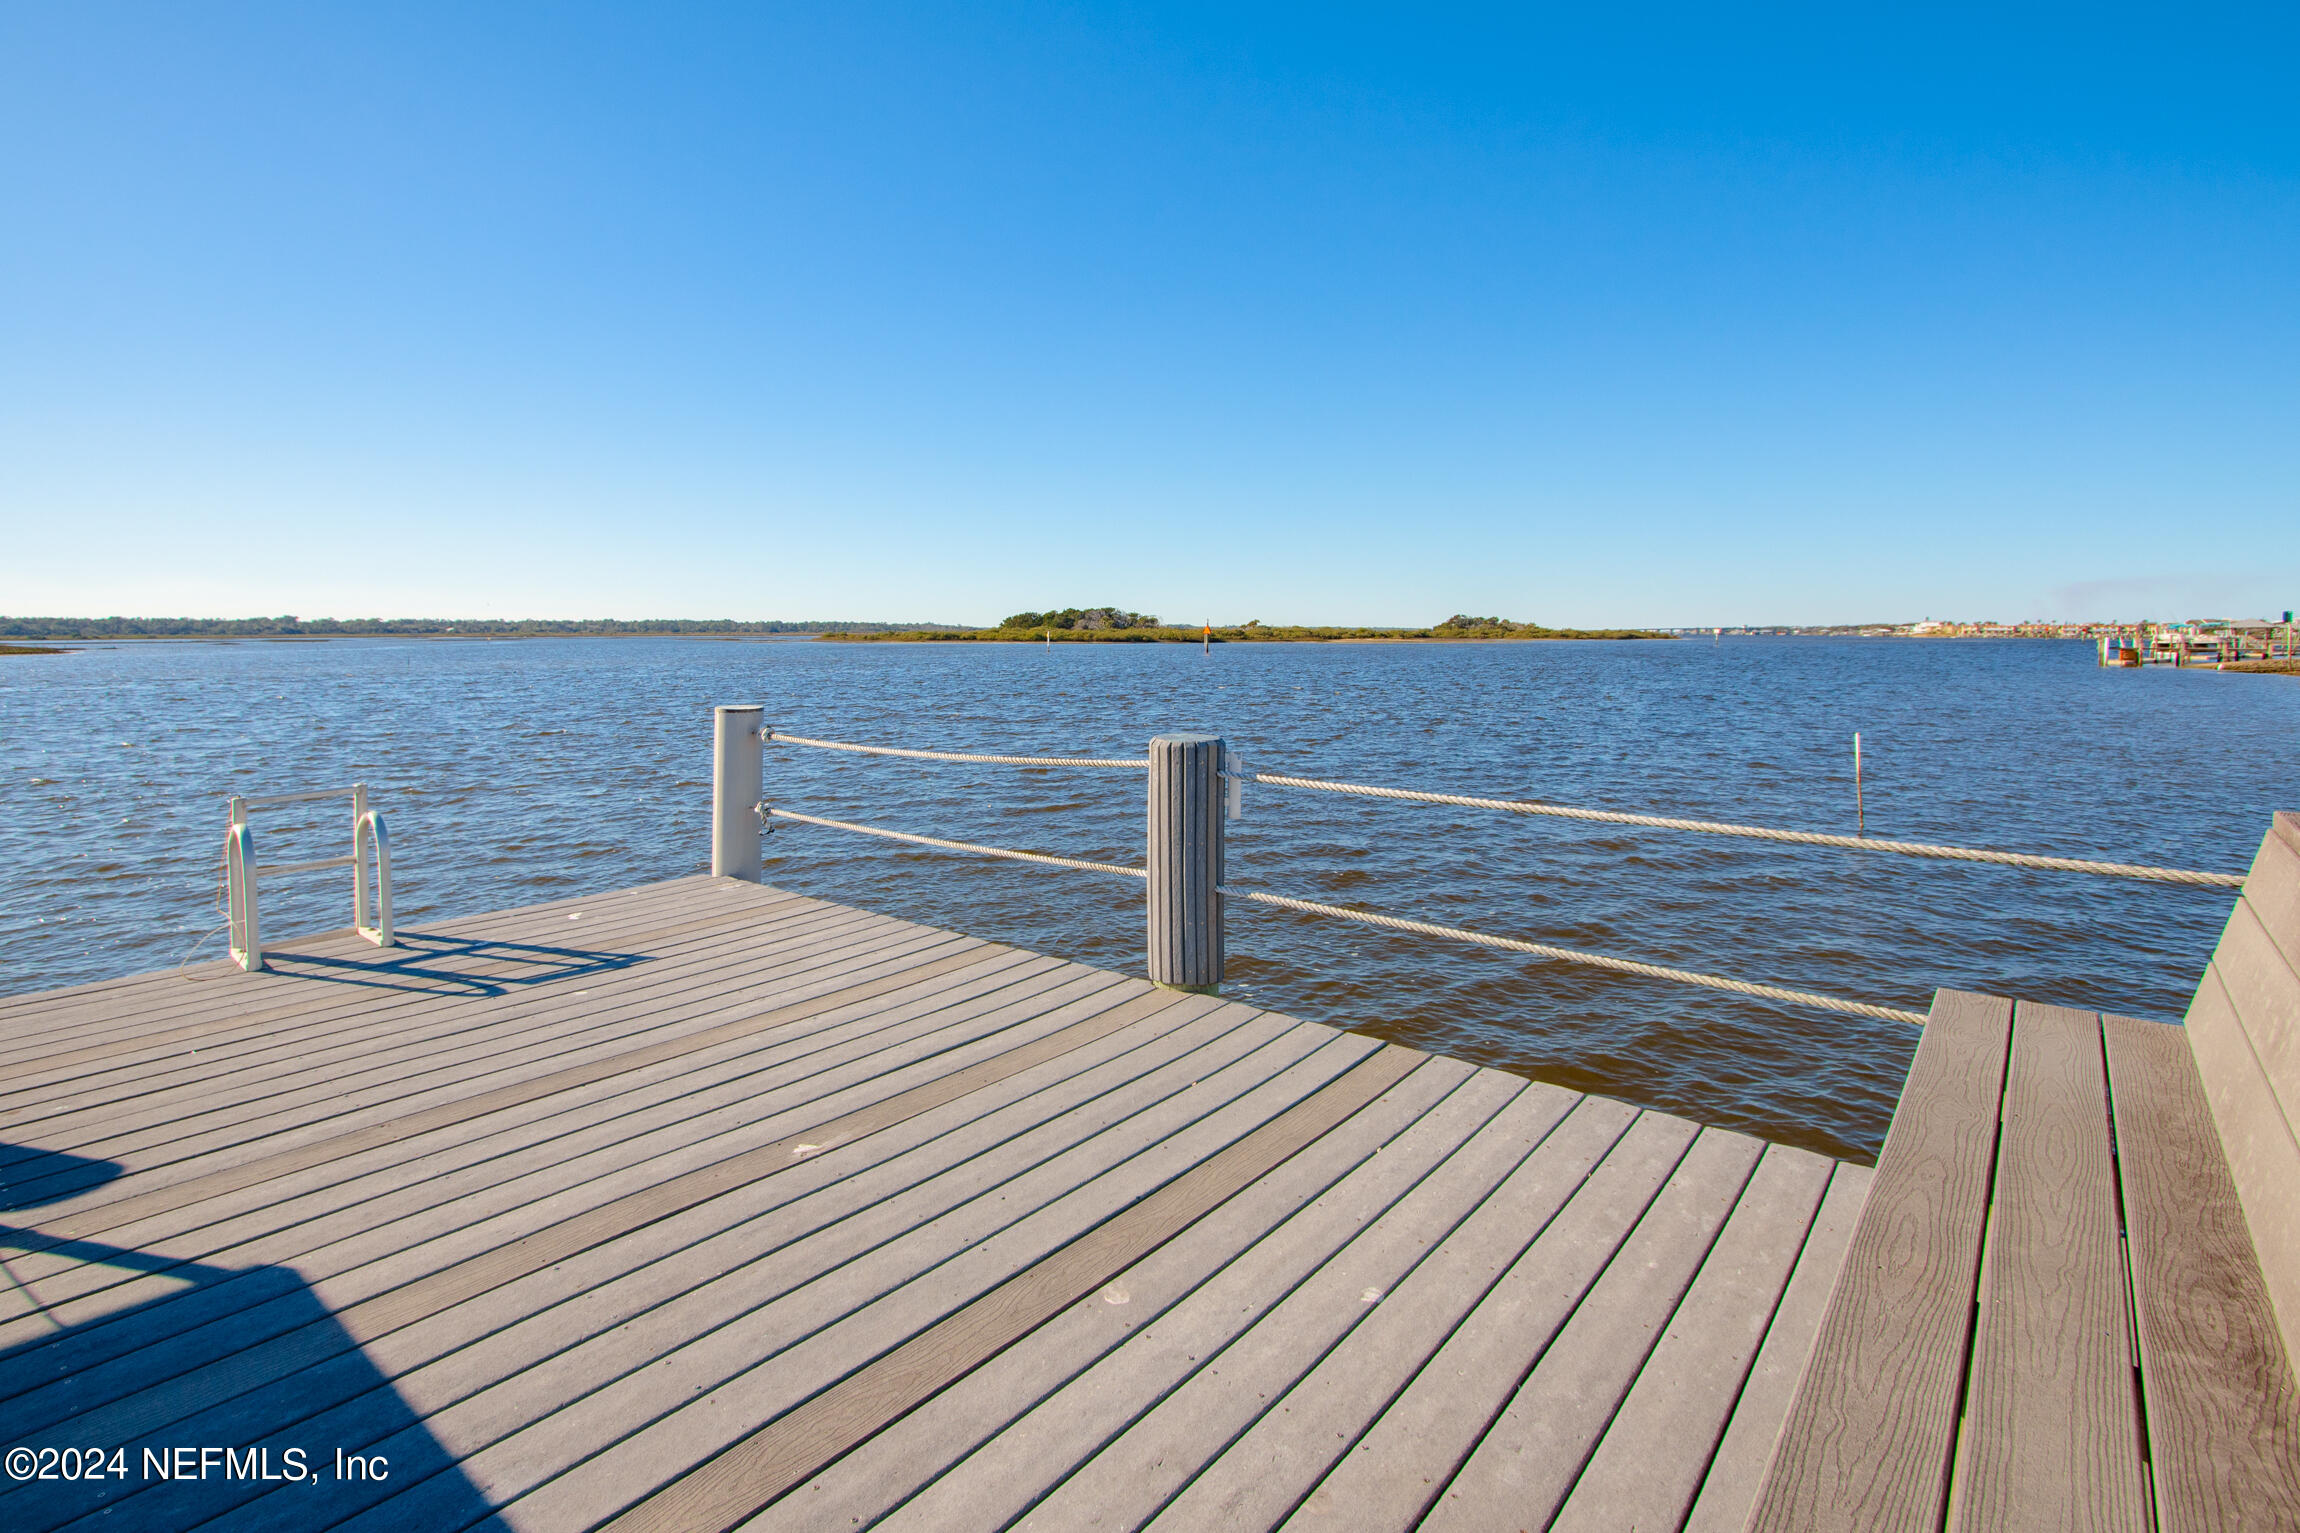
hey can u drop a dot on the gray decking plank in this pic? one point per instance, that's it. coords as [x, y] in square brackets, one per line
[1017, 1423]
[377, 1059]
[779, 1422]
[1868, 1440]
[1737, 1471]
[34, 1012]
[586, 1241]
[1261, 1476]
[2051, 1437]
[442, 1096]
[2223, 1412]
[839, 1207]
[491, 1363]
[273, 1181]
[1524, 1466]
[1657, 1452]
[1405, 1458]
[417, 1226]
[1240, 1376]
[305, 1011]
[345, 1022]
[233, 1075]
[177, 1206]
[168, 999]
[339, 1017]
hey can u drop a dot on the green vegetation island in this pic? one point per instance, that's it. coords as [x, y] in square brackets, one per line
[1111, 625]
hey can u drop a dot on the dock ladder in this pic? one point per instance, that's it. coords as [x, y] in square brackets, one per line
[370, 843]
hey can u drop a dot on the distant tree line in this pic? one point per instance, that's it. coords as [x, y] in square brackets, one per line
[411, 627]
[1110, 625]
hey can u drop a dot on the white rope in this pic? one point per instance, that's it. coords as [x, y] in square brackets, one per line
[1603, 816]
[1594, 960]
[766, 812]
[1137, 764]
[1763, 833]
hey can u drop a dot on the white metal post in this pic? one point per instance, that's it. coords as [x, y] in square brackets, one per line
[737, 785]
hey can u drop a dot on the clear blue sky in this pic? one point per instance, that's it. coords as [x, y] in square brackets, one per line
[1304, 314]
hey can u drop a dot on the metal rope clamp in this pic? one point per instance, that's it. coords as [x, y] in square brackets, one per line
[766, 813]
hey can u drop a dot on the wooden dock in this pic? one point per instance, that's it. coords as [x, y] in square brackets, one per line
[705, 1205]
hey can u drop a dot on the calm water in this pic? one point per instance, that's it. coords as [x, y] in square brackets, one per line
[518, 772]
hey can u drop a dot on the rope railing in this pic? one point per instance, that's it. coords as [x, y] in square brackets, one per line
[1136, 763]
[1574, 955]
[1766, 833]
[769, 812]
[2188, 876]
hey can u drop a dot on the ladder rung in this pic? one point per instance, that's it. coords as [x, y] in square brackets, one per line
[304, 867]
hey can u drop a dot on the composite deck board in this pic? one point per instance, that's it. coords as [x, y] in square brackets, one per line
[704, 1205]
[349, 1029]
[458, 1350]
[536, 1069]
[1401, 1464]
[1526, 1464]
[1737, 1472]
[1869, 1441]
[1647, 1469]
[261, 1084]
[806, 1046]
[2223, 1413]
[2260, 1146]
[1156, 1459]
[2264, 986]
[218, 989]
[251, 1084]
[320, 1147]
[1297, 1432]
[1235, 1263]
[1010, 1283]
[397, 1211]
[555, 1182]
[848, 1212]
[32, 1015]
[547, 1338]
[2051, 1436]
[188, 1053]
[517, 1191]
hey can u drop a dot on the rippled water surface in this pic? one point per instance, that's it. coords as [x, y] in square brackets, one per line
[518, 772]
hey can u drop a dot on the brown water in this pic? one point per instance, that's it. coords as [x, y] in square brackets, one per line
[518, 772]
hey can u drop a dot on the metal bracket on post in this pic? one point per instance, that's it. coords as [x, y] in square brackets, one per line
[738, 776]
[1185, 862]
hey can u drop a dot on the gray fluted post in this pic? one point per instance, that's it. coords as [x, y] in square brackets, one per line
[1186, 862]
[737, 785]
